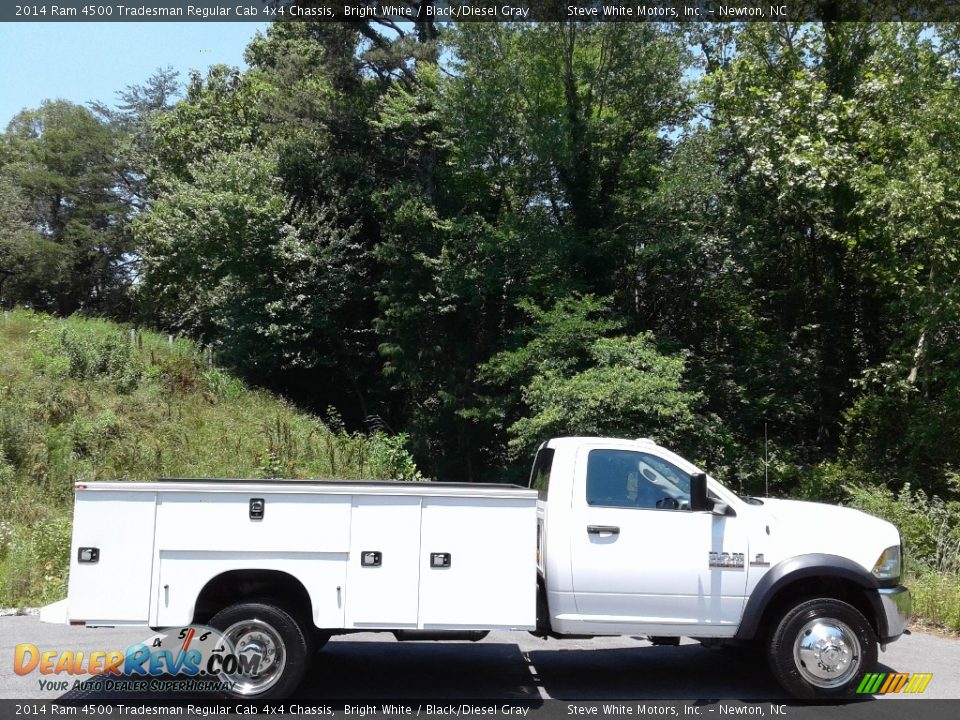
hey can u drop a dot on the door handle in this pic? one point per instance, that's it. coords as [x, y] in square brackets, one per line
[603, 529]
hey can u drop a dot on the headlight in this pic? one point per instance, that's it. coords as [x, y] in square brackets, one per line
[887, 566]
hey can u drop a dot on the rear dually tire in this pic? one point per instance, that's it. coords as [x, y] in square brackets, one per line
[260, 629]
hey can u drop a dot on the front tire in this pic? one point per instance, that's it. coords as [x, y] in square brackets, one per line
[274, 644]
[821, 648]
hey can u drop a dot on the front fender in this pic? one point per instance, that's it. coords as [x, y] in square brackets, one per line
[805, 567]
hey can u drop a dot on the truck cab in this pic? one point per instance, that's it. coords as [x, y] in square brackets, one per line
[634, 539]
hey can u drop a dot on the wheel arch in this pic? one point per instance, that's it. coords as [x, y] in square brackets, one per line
[233, 586]
[805, 577]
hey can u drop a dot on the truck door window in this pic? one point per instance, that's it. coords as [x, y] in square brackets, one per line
[624, 478]
[540, 475]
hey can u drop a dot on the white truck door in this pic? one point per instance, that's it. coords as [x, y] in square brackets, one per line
[641, 560]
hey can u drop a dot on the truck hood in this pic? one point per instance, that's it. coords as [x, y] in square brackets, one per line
[801, 510]
[806, 527]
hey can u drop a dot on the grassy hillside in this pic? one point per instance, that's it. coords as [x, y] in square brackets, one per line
[84, 399]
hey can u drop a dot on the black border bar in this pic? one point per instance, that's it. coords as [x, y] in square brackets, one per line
[442, 11]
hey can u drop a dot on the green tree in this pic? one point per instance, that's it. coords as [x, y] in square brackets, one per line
[136, 109]
[529, 203]
[904, 425]
[27, 259]
[209, 253]
[61, 162]
[286, 291]
[630, 389]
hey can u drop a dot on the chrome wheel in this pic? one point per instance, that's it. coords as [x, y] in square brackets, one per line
[827, 653]
[260, 654]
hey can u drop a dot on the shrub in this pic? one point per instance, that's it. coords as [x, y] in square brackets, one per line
[936, 598]
[112, 357]
[36, 564]
[15, 436]
[80, 399]
[389, 458]
[930, 527]
[222, 384]
[55, 365]
[6, 537]
[827, 482]
[181, 374]
[89, 436]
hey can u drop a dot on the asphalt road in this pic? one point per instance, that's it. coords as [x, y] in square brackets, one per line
[505, 666]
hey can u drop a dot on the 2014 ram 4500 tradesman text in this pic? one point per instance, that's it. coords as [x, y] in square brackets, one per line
[630, 539]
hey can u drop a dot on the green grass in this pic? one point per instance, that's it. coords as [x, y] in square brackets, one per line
[936, 599]
[82, 399]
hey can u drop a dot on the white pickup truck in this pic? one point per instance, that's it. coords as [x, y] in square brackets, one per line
[613, 537]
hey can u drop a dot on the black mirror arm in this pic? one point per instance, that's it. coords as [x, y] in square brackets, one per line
[721, 508]
[698, 492]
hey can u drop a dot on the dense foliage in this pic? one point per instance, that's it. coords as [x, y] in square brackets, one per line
[485, 234]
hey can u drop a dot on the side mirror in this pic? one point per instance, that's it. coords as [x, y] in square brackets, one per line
[698, 492]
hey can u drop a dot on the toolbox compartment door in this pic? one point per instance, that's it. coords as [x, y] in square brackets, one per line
[113, 536]
[383, 576]
[491, 579]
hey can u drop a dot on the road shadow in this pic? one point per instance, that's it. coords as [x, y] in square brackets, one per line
[684, 672]
[419, 670]
[365, 671]
[346, 671]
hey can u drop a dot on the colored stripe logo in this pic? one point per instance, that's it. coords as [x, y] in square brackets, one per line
[886, 683]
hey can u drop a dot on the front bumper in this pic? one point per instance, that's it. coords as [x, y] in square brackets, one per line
[897, 606]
